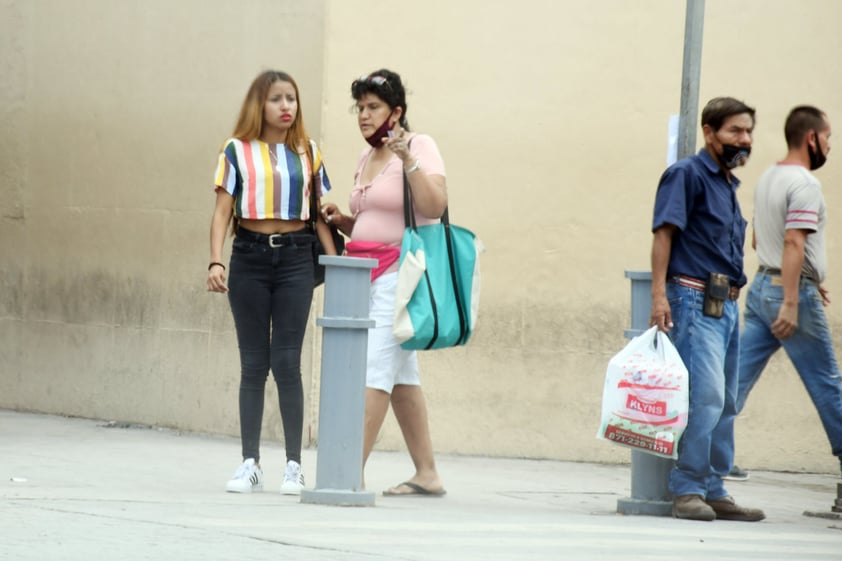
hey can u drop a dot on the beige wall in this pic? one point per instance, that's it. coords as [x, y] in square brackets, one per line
[117, 112]
[552, 121]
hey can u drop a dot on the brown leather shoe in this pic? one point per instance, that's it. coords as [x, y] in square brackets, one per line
[727, 509]
[692, 507]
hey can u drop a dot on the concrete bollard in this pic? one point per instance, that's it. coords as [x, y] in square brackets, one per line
[339, 460]
[649, 473]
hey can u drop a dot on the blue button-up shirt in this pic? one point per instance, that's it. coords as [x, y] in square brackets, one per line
[695, 196]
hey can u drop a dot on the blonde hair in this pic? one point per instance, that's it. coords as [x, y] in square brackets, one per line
[250, 122]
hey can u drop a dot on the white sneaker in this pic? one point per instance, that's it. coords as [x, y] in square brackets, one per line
[293, 479]
[247, 479]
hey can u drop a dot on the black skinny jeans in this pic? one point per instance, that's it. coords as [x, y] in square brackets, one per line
[270, 289]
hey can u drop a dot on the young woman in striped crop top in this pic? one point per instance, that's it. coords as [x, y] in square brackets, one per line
[263, 181]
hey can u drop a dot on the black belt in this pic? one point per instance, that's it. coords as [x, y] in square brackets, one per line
[777, 272]
[768, 270]
[299, 237]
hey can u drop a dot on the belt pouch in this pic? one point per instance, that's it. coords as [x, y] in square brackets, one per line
[717, 290]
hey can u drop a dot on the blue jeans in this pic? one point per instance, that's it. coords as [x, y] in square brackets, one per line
[270, 289]
[709, 348]
[810, 349]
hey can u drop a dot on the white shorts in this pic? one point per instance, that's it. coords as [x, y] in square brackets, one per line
[388, 364]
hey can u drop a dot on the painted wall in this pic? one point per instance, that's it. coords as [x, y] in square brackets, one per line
[552, 119]
[117, 111]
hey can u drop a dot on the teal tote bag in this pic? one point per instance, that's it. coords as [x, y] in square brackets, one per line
[437, 296]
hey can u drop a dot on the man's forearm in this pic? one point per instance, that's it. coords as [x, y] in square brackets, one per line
[661, 249]
[792, 262]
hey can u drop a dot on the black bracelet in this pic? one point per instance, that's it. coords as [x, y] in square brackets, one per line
[216, 263]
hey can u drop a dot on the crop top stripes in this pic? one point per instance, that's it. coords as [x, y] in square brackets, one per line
[269, 180]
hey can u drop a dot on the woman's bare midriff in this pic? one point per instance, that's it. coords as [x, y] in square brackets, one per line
[272, 225]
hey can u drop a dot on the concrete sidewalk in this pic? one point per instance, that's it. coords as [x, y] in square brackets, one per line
[76, 489]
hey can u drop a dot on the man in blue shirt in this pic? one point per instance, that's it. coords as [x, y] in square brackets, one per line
[697, 272]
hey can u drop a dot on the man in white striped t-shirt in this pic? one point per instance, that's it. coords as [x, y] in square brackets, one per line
[785, 304]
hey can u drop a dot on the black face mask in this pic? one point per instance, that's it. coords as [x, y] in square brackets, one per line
[817, 157]
[733, 156]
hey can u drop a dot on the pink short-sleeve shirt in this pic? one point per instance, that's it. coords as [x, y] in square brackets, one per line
[378, 206]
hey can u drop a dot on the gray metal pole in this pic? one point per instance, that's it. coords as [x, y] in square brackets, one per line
[835, 512]
[693, 30]
[339, 463]
[649, 473]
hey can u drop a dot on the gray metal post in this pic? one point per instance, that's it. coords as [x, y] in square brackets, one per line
[649, 473]
[835, 510]
[691, 71]
[339, 464]
[837, 505]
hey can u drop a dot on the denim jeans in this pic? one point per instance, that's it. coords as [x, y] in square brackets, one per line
[709, 348]
[810, 349]
[270, 289]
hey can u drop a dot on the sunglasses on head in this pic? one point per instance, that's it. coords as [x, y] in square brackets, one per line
[376, 80]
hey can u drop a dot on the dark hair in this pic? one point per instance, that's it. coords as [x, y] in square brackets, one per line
[720, 108]
[389, 89]
[800, 121]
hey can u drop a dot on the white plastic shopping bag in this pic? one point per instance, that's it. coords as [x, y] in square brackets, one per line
[645, 399]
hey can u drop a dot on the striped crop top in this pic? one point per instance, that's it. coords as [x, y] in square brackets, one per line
[269, 180]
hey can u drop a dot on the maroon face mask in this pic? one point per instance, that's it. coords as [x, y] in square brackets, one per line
[382, 131]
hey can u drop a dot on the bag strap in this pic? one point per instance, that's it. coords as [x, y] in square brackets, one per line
[314, 212]
[463, 322]
[408, 210]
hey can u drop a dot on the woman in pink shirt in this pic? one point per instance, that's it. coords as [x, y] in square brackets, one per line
[376, 226]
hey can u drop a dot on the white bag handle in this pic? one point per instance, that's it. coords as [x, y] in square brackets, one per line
[652, 338]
